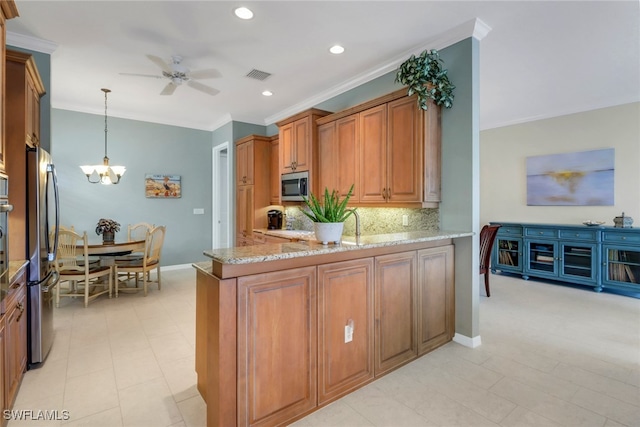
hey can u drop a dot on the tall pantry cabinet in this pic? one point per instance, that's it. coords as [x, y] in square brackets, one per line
[253, 190]
[24, 88]
[8, 10]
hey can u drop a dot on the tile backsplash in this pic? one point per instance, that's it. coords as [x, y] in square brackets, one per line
[375, 220]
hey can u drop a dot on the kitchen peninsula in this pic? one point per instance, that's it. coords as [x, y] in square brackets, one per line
[282, 329]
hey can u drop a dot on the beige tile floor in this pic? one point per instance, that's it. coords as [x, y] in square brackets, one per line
[551, 356]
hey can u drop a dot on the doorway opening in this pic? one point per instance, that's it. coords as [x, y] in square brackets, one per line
[221, 197]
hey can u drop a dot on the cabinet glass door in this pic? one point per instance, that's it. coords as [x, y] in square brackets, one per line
[623, 265]
[508, 254]
[578, 261]
[542, 258]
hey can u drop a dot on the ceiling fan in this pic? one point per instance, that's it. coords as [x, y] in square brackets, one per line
[177, 74]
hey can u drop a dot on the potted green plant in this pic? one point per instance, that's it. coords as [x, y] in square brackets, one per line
[328, 217]
[108, 228]
[426, 78]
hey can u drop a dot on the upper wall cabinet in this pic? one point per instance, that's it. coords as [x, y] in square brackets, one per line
[8, 10]
[388, 147]
[24, 90]
[298, 144]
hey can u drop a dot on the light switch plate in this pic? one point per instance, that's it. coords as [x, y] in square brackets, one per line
[198, 211]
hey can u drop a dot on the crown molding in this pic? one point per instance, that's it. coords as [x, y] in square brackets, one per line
[31, 43]
[475, 28]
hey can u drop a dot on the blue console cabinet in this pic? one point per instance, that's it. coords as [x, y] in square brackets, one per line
[599, 257]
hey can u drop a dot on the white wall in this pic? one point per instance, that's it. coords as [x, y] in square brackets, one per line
[503, 153]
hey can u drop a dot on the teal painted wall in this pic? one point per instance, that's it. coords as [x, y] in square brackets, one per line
[144, 148]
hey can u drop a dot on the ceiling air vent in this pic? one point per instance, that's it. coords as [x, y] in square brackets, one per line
[258, 75]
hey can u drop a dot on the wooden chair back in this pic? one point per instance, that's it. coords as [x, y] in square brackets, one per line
[138, 231]
[487, 238]
[66, 258]
[153, 244]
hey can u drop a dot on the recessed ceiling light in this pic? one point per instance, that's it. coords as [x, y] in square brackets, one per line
[243, 13]
[267, 93]
[337, 49]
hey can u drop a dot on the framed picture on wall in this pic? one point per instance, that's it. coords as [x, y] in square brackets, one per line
[161, 186]
[583, 178]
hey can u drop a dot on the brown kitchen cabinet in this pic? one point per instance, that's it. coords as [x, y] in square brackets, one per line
[435, 298]
[398, 148]
[252, 186]
[338, 147]
[345, 327]
[298, 144]
[8, 10]
[15, 338]
[274, 169]
[395, 290]
[23, 91]
[277, 346]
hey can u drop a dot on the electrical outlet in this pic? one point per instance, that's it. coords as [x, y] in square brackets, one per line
[405, 220]
[348, 334]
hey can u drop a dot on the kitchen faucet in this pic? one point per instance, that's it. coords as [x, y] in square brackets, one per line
[357, 215]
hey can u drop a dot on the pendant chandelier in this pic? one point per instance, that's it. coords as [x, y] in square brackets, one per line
[104, 174]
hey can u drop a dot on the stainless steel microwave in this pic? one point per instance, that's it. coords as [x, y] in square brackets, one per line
[294, 186]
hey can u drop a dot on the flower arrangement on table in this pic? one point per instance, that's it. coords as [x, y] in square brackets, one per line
[108, 228]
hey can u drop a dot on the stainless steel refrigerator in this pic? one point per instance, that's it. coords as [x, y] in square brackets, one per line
[43, 212]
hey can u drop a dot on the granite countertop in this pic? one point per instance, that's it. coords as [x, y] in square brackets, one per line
[287, 234]
[310, 247]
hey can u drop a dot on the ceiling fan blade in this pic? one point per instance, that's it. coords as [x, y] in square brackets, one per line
[141, 75]
[203, 88]
[169, 89]
[160, 63]
[205, 74]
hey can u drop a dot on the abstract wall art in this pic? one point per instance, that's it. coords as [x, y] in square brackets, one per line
[582, 178]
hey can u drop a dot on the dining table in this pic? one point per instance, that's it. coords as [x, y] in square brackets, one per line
[109, 251]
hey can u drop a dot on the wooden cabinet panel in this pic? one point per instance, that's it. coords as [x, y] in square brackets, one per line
[277, 345]
[244, 162]
[274, 170]
[15, 350]
[345, 299]
[245, 212]
[404, 139]
[302, 144]
[435, 296]
[338, 156]
[327, 155]
[287, 148]
[395, 281]
[3, 344]
[373, 155]
[347, 165]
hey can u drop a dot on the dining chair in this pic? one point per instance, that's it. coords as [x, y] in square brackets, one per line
[154, 240]
[135, 232]
[487, 238]
[78, 271]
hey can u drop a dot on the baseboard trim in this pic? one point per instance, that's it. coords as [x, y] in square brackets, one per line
[468, 342]
[176, 267]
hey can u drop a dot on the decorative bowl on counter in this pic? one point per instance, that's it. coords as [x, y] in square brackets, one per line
[592, 223]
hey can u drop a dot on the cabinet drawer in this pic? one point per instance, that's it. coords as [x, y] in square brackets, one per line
[513, 230]
[621, 237]
[541, 232]
[579, 234]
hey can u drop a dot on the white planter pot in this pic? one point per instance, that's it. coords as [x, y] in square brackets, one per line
[328, 231]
